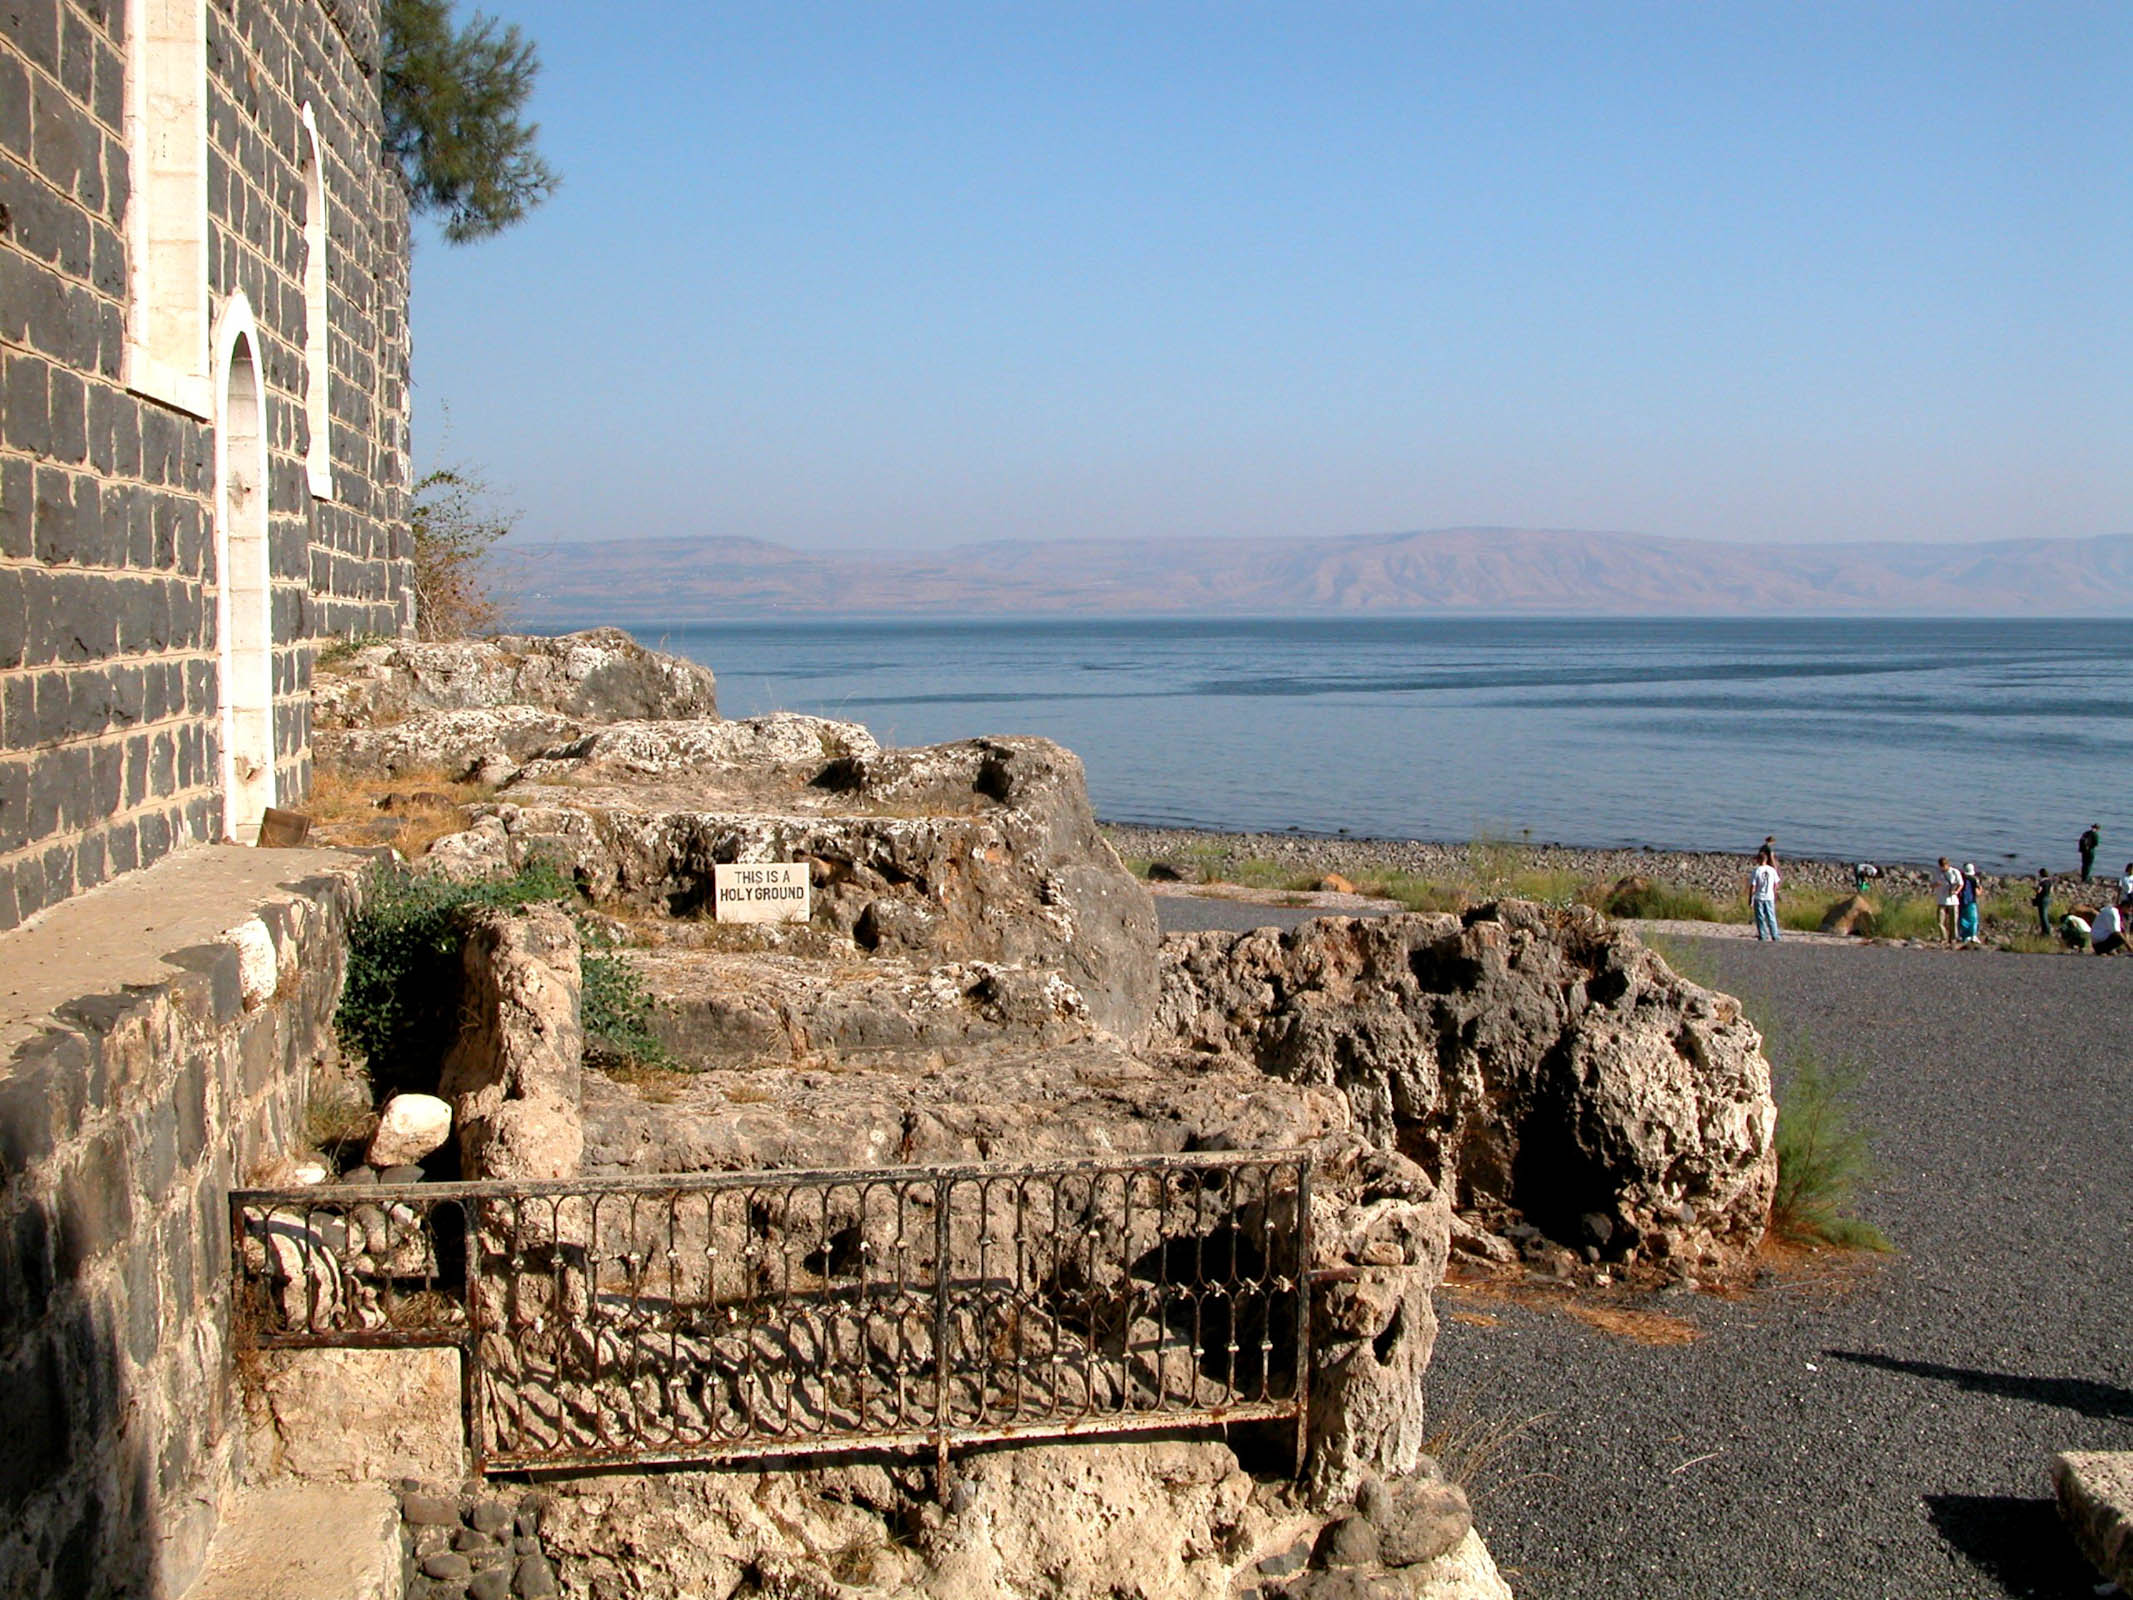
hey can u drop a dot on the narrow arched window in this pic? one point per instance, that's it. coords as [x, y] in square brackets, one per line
[318, 369]
[166, 217]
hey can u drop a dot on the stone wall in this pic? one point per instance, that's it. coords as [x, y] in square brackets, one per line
[122, 1132]
[109, 682]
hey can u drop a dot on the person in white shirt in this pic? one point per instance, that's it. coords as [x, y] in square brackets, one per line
[1951, 897]
[2125, 884]
[1763, 896]
[2107, 934]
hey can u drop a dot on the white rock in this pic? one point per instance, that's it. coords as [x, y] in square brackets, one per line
[309, 1172]
[412, 1126]
[258, 972]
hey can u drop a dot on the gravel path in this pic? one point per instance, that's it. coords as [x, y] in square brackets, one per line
[1889, 1440]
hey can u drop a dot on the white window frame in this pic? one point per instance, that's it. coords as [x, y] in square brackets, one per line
[318, 353]
[167, 322]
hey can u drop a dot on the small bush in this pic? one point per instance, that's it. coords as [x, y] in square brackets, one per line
[1824, 1156]
[400, 1005]
[1907, 917]
[345, 649]
[616, 1008]
[1803, 910]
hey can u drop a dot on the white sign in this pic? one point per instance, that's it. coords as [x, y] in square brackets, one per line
[760, 891]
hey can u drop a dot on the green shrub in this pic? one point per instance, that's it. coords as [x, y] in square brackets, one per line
[400, 1005]
[617, 1009]
[1907, 917]
[1803, 910]
[1824, 1155]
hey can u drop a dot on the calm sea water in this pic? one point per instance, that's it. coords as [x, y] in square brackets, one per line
[1897, 740]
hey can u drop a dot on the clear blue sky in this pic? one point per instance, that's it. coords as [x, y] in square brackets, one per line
[905, 275]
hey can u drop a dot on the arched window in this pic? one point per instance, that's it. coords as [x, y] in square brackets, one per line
[318, 409]
[166, 218]
[244, 611]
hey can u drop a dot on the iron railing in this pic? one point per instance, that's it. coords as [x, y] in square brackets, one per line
[730, 1315]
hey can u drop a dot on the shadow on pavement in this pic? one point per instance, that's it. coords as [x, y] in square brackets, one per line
[2105, 1402]
[2020, 1544]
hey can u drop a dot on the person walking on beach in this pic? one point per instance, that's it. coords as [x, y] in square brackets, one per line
[2042, 900]
[1966, 905]
[2090, 838]
[1763, 896]
[1951, 897]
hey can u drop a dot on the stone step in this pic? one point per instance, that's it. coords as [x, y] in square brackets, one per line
[2095, 1491]
[306, 1541]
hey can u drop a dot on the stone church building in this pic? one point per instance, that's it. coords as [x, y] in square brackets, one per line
[203, 415]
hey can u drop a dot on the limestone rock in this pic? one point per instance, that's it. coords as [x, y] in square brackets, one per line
[985, 850]
[514, 1074]
[477, 744]
[1075, 1099]
[1533, 1061]
[781, 741]
[358, 1416]
[737, 1009]
[2094, 1489]
[600, 675]
[1424, 1521]
[1853, 914]
[411, 1127]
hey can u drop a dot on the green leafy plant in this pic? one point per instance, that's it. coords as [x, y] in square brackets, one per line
[1824, 1156]
[616, 1008]
[400, 1004]
[454, 101]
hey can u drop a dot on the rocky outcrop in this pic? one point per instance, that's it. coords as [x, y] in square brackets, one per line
[1161, 1520]
[717, 1009]
[514, 1076]
[600, 675]
[985, 850]
[1381, 1236]
[1535, 1063]
[487, 745]
[1090, 1098]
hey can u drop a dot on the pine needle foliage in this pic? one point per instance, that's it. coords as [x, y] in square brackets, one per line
[454, 99]
[1824, 1156]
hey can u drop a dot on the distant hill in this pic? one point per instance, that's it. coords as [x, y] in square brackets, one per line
[1473, 570]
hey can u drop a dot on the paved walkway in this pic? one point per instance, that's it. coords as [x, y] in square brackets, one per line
[1891, 1440]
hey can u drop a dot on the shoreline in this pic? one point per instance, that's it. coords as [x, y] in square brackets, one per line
[1722, 873]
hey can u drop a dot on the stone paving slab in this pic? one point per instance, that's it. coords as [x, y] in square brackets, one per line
[119, 933]
[306, 1541]
[2095, 1493]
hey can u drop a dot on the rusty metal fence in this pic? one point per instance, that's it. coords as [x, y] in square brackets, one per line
[728, 1315]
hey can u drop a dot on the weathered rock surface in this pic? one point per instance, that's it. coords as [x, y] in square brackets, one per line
[1087, 1098]
[1145, 1520]
[1853, 914]
[410, 1127]
[1531, 1061]
[514, 1075]
[356, 1416]
[2094, 1489]
[486, 745]
[985, 850]
[600, 675]
[719, 1009]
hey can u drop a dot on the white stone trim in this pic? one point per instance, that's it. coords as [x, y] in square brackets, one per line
[318, 351]
[166, 214]
[244, 575]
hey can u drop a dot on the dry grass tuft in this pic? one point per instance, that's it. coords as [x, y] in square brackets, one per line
[347, 809]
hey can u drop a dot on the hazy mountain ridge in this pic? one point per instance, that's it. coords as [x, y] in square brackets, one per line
[1450, 570]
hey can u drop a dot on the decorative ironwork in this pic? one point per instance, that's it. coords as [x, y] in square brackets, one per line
[727, 1315]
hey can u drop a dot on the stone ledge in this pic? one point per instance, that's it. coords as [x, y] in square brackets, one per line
[2095, 1494]
[306, 1542]
[122, 934]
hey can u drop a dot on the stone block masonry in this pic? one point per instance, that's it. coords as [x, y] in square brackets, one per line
[110, 686]
[125, 1119]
